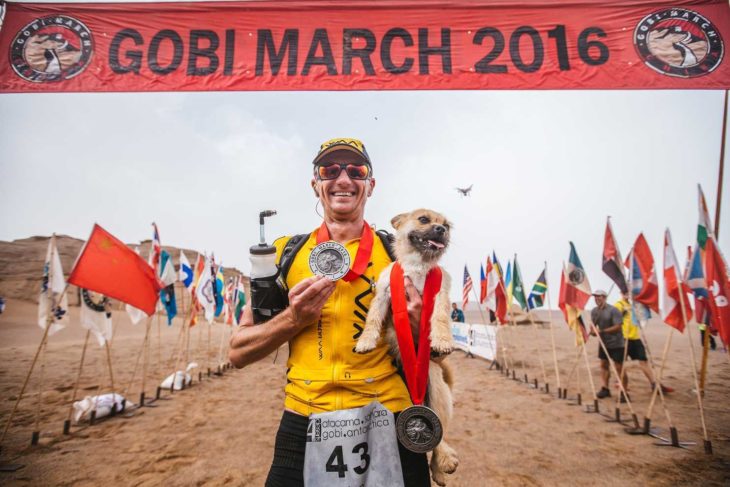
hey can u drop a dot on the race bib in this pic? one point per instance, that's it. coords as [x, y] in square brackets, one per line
[353, 448]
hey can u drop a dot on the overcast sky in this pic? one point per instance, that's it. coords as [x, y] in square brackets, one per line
[547, 167]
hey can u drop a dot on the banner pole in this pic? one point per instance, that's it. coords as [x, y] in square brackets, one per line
[67, 424]
[552, 331]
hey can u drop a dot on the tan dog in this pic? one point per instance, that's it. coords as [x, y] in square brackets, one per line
[422, 237]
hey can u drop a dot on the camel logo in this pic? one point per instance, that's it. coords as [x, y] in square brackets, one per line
[679, 42]
[50, 49]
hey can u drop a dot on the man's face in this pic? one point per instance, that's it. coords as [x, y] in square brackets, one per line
[343, 197]
[453, 306]
[600, 300]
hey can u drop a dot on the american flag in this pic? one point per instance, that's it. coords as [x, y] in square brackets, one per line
[467, 288]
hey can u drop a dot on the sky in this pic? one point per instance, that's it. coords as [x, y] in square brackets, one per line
[546, 167]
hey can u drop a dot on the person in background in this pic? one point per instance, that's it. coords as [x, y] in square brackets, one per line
[635, 349]
[456, 314]
[608, 320]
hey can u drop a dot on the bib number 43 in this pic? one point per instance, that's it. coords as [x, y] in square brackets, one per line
[336, 462]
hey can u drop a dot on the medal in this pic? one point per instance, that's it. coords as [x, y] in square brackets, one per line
[418, 428]
[329, 259]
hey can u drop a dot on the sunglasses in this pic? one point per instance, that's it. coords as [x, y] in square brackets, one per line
[354, 171]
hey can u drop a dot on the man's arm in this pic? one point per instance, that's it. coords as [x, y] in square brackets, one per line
[254, 342]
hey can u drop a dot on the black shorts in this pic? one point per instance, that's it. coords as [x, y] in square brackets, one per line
[636, 351]
[616, 354]
[287, 469]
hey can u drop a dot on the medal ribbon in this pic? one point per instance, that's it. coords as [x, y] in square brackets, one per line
[364, 250]
[415, 363]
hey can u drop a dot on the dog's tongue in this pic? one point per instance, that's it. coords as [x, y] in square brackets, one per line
[437, 245]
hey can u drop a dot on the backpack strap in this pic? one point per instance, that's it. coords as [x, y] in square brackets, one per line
[388, 240]
[290, 250]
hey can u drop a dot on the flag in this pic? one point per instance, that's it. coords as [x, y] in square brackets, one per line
[239, 300]
[612, 263]
[497, 265]
[674, 289]
[186, 272]
[496, 299]
[53, 286]
[467, 287]
[644, 284]
[518, 290]
[537, 295]
[704, 227]
[167, 298]
[508, 283]
[228, 303]
[204, 290]
[577, 287]
[167, 269]
[482, 284]
[135, 314]
[106, 265]
[197, 272]
[695, 278]
[96, 315]
[219, 290]
[719, 287]
[572, 314]
[155, 249]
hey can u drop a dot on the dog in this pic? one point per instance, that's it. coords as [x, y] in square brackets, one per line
[421, 238]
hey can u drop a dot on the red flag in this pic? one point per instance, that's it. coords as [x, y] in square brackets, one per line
[107, 266]
[719, 287]
[644, 267]
[612, 259]
[674, 289]
[571, 313]
[482, 284]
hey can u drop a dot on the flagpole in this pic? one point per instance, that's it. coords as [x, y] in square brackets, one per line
[552, 331]
[49, 321]
[145, 359]
[534, 328]
[67, 423]
[721, 169]
[37, 431]
[708, 443]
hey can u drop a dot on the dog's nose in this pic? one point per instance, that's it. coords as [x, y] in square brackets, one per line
[439, 229]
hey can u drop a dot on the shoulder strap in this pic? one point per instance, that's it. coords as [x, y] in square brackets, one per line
[291, 249]
[388, 240]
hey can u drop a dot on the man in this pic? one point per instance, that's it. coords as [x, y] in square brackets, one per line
[456, 314]
[634, 346]
[609, 321]
[325, 318]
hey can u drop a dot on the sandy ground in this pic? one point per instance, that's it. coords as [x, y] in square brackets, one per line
[221, 431]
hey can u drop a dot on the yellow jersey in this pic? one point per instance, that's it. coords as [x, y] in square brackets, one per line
[629, 329]
[323, 371]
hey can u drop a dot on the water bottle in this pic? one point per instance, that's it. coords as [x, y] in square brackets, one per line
[268, 297]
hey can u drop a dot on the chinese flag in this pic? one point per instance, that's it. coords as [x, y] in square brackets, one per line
[107, 266]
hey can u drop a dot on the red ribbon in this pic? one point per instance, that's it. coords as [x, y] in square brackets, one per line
[415, 363]
[364, 250]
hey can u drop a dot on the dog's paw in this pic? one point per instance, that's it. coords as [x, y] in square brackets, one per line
[448, 461]
[365, 345]
[441, 346]
[439, 478]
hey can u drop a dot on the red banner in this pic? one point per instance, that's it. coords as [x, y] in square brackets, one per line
[365, 45]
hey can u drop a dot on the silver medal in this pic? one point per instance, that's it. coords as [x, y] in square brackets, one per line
[329, 259]
[419, 429]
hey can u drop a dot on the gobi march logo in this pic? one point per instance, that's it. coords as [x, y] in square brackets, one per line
[52, 48]
[679, 42]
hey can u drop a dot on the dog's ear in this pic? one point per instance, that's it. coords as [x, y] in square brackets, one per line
[398, 219]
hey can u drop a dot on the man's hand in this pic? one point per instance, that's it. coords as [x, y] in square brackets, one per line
[415, 303]
[307, 299]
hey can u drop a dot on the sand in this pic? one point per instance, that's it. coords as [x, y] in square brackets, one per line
[221, 430]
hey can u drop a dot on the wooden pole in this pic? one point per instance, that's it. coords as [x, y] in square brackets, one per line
[590, 374]
[708, 443]
[145, 359]
[76, 384]
[39, 407]
[537, 341]
[552, 331]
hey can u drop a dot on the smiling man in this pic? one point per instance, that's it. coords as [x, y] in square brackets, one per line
[322, 323]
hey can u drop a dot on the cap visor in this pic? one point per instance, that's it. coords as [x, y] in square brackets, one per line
[335, 148]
